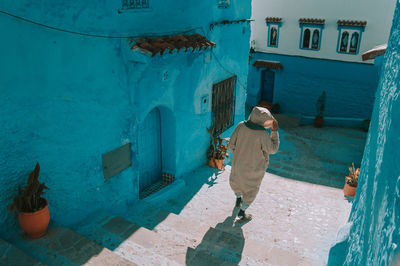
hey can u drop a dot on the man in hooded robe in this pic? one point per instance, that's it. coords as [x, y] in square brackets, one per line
[251, 146]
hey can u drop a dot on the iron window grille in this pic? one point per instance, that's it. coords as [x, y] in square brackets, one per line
[135, 4]
[223, 104]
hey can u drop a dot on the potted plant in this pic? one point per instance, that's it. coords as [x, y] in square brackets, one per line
[351, 181]
[218, 150]
[32, 208]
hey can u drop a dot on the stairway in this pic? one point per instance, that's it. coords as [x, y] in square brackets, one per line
[113, 240]
[60, 246]
[194, 225]
[11, 255]
[178, 240]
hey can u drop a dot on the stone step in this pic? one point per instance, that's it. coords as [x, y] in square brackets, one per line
[11, 255]
[127, 239]
[227, 243]
[143, 246]
[62, 246]
[223, 243]
[193, 242]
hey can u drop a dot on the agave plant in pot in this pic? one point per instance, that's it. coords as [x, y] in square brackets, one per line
[218, 150]
[32, 208]
[351, 181]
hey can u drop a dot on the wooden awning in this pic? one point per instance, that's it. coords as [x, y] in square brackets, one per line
[374, 52]
[268, 64]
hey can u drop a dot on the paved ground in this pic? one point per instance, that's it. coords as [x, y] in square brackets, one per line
[191, 222]
[294, 222]
[316, 155]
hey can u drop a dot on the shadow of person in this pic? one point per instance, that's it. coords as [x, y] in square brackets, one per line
[222, 245]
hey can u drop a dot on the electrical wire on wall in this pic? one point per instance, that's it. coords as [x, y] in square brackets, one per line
[91, 34]
[121, 37]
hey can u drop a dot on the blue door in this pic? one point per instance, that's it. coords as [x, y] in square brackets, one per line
[150, 150]
[267, 85]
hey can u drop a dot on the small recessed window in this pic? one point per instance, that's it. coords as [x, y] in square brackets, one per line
[311, 33]
[273, 36]
[344, 43]
[315, 39]
[306, 39]
[135, 4]
[311, 39]
[349, 39]
[224, 3]
[273, 25]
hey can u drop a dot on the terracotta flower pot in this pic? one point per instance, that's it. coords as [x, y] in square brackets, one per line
[211, 163]
[35, 223]
[219, 163]
[349, 190]
[216, 163]
[319, 121]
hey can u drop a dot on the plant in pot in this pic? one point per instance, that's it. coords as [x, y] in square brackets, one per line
[32, 208]
[319, 119]
[351, 181]
[218, 150]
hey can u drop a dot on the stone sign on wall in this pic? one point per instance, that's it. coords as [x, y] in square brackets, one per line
[116, 161]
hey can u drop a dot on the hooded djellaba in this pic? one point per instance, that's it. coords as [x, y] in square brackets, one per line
[251, 146]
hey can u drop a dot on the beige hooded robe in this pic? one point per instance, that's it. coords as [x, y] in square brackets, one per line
[251, 149]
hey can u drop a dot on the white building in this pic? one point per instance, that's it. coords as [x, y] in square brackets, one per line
[302, 48]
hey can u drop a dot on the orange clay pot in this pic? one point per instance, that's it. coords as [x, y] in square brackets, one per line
[216, 163]
[349, 190]
[35, 223]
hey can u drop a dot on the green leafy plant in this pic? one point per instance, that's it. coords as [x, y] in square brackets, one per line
[30, 199]
[218, 146]
[352, 178]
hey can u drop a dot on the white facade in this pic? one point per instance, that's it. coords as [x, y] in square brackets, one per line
[377, 13]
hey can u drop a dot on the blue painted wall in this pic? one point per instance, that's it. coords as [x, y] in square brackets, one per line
[350, 87]
[373, 236]
[67, 99]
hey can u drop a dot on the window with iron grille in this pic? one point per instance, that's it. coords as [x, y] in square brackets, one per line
[223, 104]
[135, 4]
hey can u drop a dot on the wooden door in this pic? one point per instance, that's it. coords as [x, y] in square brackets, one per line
[150, 164]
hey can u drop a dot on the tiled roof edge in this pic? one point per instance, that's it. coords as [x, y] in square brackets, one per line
[357, 23]
[273, 19]
[318, 21]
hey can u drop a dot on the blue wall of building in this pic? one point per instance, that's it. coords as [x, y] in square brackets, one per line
[67, 98]
[350, 87]
[373, 236]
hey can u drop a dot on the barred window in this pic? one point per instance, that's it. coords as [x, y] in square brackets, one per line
[223, 104]
[135, 4]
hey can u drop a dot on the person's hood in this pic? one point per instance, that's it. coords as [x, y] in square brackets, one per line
[259, 115]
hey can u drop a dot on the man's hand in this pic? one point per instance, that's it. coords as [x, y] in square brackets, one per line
[275, 125]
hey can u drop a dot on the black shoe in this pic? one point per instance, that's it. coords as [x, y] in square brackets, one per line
[238, 202]
[242, 216]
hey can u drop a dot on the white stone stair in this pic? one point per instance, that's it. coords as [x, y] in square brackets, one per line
[62, 246]
[143, 246]
[11, 255]
[178, 240]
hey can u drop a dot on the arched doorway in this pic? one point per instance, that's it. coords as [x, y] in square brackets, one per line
[150, 148]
